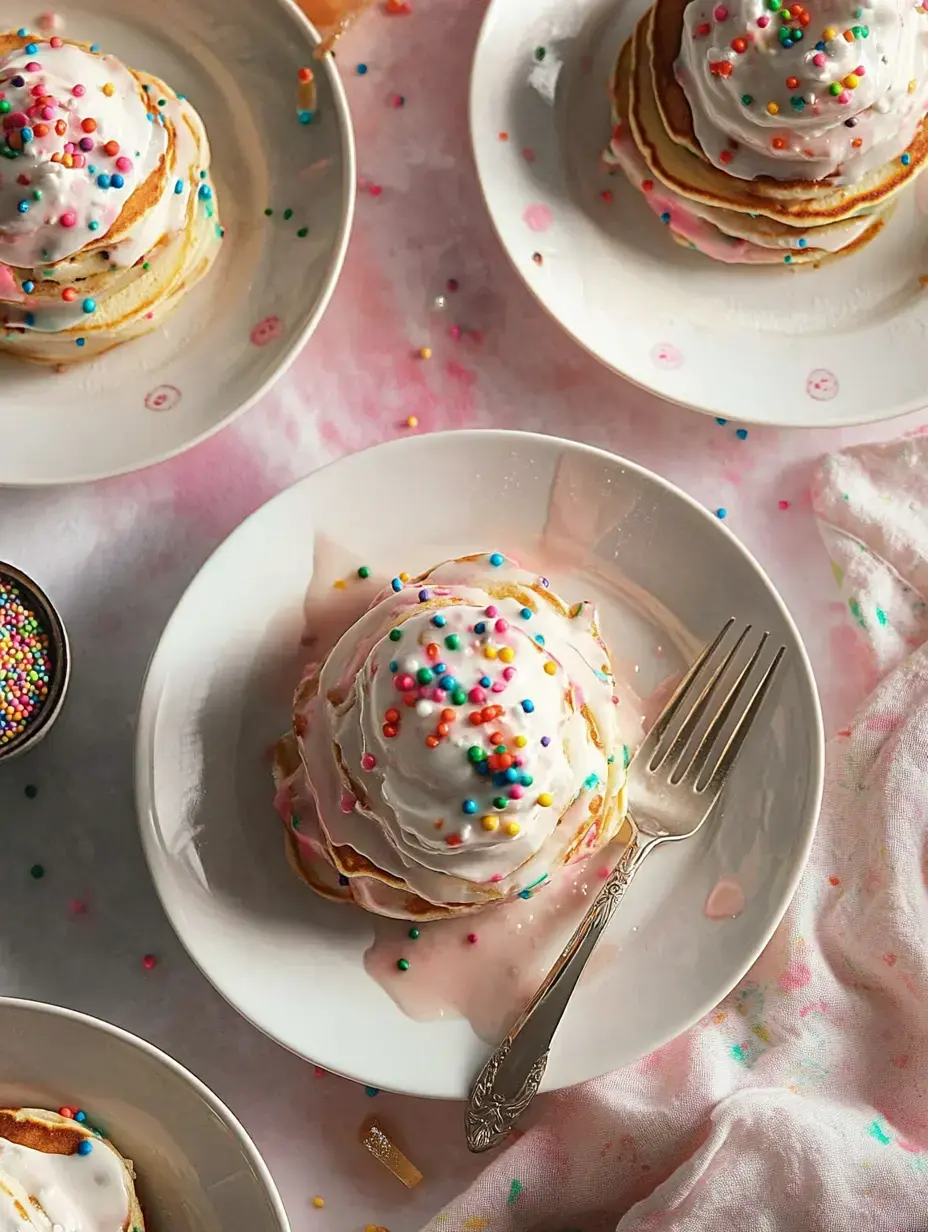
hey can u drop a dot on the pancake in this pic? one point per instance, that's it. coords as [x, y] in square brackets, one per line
[106, 219]
[56, 1172]
[424, 794]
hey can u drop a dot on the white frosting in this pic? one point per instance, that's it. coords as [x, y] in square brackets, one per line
[67, 1193]
[412, 798]
[815, 141]
[134, 113]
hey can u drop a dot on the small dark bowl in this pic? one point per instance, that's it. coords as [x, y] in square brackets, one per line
[59, 655]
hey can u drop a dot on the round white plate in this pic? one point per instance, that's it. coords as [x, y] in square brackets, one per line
[197, 1170]
[789, 347]
[665, 573]
[237, 62]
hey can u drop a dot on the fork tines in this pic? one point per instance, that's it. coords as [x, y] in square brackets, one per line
[703, 727]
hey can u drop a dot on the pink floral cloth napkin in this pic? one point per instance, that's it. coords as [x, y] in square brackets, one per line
[801, 1103]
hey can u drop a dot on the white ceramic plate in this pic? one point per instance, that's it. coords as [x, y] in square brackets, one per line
[237, 61]
[666, 574]
[790, 347]
[197, 1170]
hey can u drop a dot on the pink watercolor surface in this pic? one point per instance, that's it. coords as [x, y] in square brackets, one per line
[424, 270]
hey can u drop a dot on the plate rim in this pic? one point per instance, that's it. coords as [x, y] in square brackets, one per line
[148, 710]
[330, 280]
[154, 1053]
[815, 419]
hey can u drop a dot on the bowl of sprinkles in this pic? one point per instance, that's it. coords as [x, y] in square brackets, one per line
[35, 663]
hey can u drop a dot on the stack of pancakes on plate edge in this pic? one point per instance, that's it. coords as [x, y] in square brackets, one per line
[107, 215]
[56, 1171]
[764, 133]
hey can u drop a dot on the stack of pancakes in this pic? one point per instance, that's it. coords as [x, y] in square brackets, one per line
[57, 1172]
[107, 216]
[457, 748]
[766, 133]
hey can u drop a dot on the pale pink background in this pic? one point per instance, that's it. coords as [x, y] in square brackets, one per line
[117, 555]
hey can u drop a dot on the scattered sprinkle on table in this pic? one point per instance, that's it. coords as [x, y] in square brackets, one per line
[721, 513]
[25, 664]
[783, 504]
[31, 791]
[425, 352]
[742, 434]
[411, 421]
[361, 70]
[371, 1092]
[318, 1202]
[37, 872]
[149, 961]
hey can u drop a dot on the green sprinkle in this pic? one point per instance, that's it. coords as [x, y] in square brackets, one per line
[364, 572]
[32, 792]
[295, 822]
[146, 265]
[500, 802]
[288, 214]
[414, 933]
[402, 964]
[540, 53]
[302, 233]
[268, 212]
[880, 615]
[37, 872]
[395, 635]
[476, 753]
[626, 756]
[747, 99]
[459, 697]
[453, 641]
[425, 675]
[515, 1191]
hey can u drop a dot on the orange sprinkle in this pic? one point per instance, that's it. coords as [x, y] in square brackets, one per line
[476, 718]
[497, 738]
[443, 729]
[849, 36]
[502, 136]
[647, 186]
[778, 143]
[792, 83]
[857, 142]
[392, 716]
[448, 715]
[69, 295]
[41, 130]
[409, 699]
[89, 125]
[112, 148]
[305, 75]
[432, 741]
[453, 840]
[109, 89]
[835, 880]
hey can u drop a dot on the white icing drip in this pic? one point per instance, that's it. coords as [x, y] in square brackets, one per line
[410, 788]
[887, 103]
[76, 1193]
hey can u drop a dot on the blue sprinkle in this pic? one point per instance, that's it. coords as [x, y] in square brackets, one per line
[103, 180]
[528, 705]
[448, 683]
[665, 217]
[22, 32]
[525, 894]
[117, 181]
[23, 208]
[30, 318]
[205, 192]
[394, 666]
[480, 627]
[342, 881]
[540, 639]
[440, 668]
[788, 259]
[89, 305]
[150, 118]
[485, 682]
[482, 768]
[721, 513]
[81, 342]
[591, 781]
[84, 1147]
[545, 741]
[361, 70]
[80, 1116]
[305, 117]
[397, 584]
[526, 780]
[526, 613]
[438, 621]
[202, 175]
[27, 135]
[469, 806]
[30, 49]
[721, 422]
[93, 225]
[371, 1092]
[423, 596]
[905, 159]
[29, 286]
[499, 779]
[95, 47]
[803, 243]
[820, 46]
[496, 560]
[511, 775]
[742, 434]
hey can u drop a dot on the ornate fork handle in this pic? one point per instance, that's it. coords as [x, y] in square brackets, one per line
[509, 1081]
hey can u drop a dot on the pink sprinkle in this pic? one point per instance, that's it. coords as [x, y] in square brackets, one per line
[455, 332]
[398, 100]
[56, 42]
[375, 190]
[16, 120]
[368, 761]
[77, 907]
[498, 686]
[438, 695]
[818, 60]
[123, 163]
[319, 1071]
[79, 91]
[763, 21]
[477, 696]
[604, 873]
[492, 611]
[516, 793]
[79, 160]
[149, 961]
[720, 13]
[783, 504]
[37, 91]
[70, 147]
[860, 71]
[33, 67]
[501, 626]
[472, 938]
[48, 113]
[497, 877]
[347, 802]
[403, 684]
[68, 219]
[844, 96]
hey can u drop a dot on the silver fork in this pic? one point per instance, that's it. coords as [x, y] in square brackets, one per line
[674, 781]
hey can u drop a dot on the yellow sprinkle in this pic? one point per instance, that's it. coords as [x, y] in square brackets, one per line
[318, 1202]
[67, 160]
[773, 109]
[339, 585]
[489, 823]
[507, 654]
[404, 578]
[412, 421]
[545, 799]
[109, 89]
[550, 667]
[512, 828]
[829, 33]
[852, 81]
[489, 652]
[425, 352]
[912, 85]
[520, 742]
